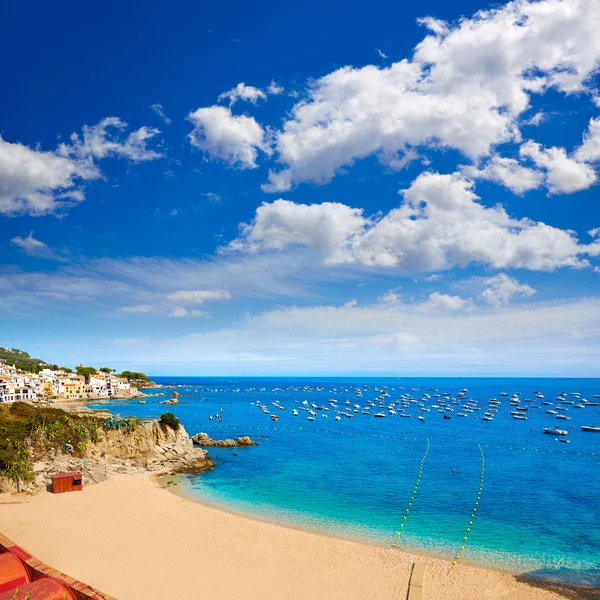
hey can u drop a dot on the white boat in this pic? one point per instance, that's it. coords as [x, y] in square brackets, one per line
[563, 417]
[590, 428]
[487, 418]
[379, 415]
[554, 431]
[421, 418]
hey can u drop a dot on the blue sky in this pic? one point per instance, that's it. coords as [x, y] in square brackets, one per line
[338, 188]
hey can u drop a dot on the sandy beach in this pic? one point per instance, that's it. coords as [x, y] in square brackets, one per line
[137, 541]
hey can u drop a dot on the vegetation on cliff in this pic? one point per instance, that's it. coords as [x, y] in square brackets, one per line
[25, 429]
[170, 420]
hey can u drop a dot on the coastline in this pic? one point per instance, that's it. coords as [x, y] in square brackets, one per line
[150, 543]
[570, 590]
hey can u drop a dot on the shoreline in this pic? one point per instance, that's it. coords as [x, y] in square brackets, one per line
[537, 581]
[145, 543]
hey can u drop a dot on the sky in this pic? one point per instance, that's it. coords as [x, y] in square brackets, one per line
[268, 189]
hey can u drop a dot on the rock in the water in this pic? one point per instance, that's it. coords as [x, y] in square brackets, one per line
[203, 439]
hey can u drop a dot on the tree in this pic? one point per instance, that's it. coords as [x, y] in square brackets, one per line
[84, 371]
[106, 370]
[134, 376]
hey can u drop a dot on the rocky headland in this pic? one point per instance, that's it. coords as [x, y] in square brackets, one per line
[97, 444]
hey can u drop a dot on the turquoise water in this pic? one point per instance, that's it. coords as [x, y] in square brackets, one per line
[354, 477]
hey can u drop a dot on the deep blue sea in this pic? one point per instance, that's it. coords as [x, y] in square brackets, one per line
[539, 507]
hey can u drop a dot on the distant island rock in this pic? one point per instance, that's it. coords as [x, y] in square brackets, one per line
[203, 439]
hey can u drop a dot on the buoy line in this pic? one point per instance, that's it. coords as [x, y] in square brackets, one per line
[398, 535]
[474, 512]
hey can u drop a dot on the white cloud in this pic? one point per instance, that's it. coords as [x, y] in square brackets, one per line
[589, 151]
[101, 141]
[439, 225]
[564, 175]
[198, 296]
[232, 139]
[34, 247]
[37, 183]
[500, 289]
[507, 172]
[274, 89]
[159, 109]
[559, 338]
[391, 297]
[438, 301]
[328, 228]
[243, 92]
[466, 87]
[537, 119]
[140, 308]
[180, 312]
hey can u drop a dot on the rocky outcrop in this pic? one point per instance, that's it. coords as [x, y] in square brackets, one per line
[203, 439]
[151, 447]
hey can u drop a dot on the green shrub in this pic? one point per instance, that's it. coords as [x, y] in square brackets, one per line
[170, 420]
[25, 429]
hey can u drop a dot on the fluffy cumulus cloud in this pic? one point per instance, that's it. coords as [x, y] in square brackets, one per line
[500, 289]
[440, 225]
[329, 228]
[232, 139]
[589, 151]
[37, 182]
[563, 174]
[466, 87]
[507, 172]
[244, 92]
[438, 301]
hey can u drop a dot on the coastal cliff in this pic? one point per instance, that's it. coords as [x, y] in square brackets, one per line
[100, 447]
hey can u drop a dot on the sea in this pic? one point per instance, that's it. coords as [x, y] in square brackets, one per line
[498, 493]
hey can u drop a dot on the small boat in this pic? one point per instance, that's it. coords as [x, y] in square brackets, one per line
[379, 415]
[421, 418]
[487, 418]
[554, 431]
[274, 418]
[338, 418]
[563, 417]
[310, 418]
[590, 428]
[521, 417]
